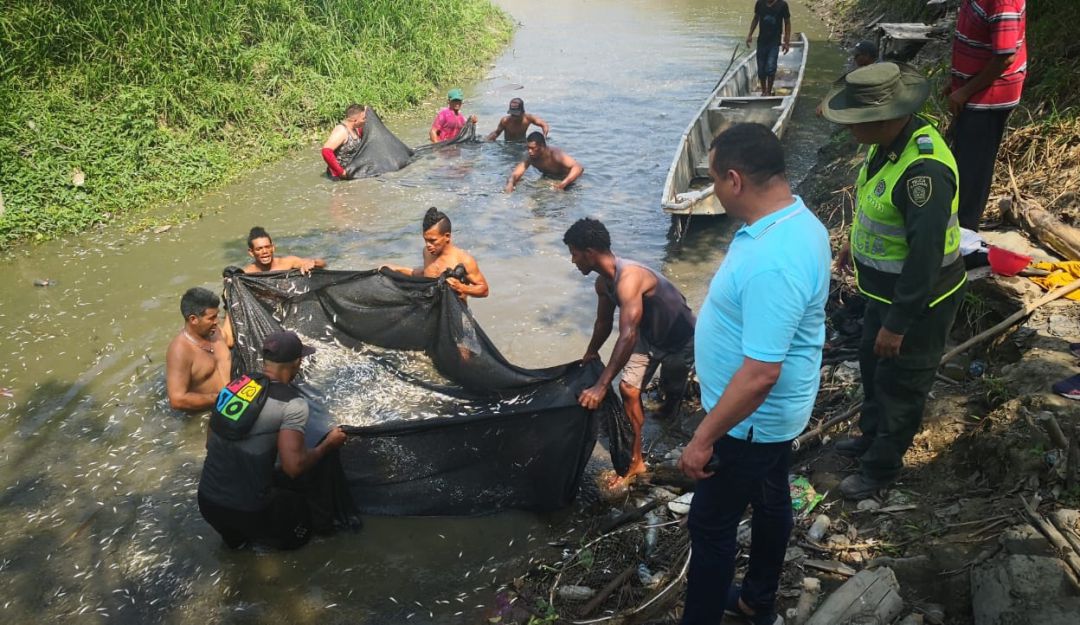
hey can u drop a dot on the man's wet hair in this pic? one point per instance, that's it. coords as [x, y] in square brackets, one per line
[536, 137]
[353, 109]
[588, 233]
[750, 149]
[435, 217]
[196, 300]
[257, 233]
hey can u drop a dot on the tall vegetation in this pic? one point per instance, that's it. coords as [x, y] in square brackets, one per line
[106, 107]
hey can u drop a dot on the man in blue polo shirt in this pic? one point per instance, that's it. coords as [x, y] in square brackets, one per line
[758, 342]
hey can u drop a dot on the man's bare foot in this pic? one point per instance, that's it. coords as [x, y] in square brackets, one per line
[615, 482]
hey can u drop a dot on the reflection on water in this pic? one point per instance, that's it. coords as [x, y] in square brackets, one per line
[98, 477]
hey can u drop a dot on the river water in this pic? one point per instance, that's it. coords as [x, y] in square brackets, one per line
[98, 521]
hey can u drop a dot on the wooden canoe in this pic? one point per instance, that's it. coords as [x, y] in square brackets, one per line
[736, 98]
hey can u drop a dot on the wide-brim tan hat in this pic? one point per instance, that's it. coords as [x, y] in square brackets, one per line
[876, 92]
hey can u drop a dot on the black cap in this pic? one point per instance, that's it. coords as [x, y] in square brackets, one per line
[517, 107]
[284, 346]
[869, 48]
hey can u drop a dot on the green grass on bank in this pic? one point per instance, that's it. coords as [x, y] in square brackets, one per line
[109, 107]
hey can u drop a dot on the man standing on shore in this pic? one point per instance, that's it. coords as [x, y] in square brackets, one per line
[551, 162]
[905, 241]
[770, 15]
[758, 343]
[656, 329]
[989, 62]
[516, 122]
[197, 362]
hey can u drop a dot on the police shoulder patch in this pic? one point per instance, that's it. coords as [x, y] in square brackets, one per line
[925, 144]
[919, 189]
[879, 188]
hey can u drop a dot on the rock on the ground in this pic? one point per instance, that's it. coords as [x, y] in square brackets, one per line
[1025, 540]
[868, 595]
[1023, 590]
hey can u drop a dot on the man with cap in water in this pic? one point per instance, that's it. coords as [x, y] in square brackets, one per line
[516, 123]
[449, 122]
[905, 240]
[241, 494]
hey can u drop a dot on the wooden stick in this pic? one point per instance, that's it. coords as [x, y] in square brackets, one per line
[1040, 223]
[627, 517]
[611, 587]
[1053, 429]
[819, 430]
[1054, 536]
[1072, 461]
[1065, 530]
[1010, 320]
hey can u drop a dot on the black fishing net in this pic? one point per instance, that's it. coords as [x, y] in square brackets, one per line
[381, 151]
[439, 422]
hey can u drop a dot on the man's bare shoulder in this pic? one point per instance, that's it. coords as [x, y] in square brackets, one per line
[179, 351]
[251, 268]
[635, 279]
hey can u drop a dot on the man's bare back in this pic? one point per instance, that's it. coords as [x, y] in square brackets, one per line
[551, 162]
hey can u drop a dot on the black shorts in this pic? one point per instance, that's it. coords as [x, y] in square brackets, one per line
[284, 524]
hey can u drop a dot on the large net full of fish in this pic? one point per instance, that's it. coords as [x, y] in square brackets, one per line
[439, 422]
[381, 151]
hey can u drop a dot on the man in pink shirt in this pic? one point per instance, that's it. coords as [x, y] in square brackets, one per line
[449, 122]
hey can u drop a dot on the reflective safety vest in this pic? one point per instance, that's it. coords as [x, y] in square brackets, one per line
[878, 236]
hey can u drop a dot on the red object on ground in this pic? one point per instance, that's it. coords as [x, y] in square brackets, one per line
[1006, 263]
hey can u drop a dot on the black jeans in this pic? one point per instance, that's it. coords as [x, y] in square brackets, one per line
[895, 389]
[976, 136]
[750, 474]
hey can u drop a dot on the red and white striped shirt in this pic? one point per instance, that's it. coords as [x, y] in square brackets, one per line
[984, 29]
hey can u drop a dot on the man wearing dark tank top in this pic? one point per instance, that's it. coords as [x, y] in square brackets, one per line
[656, 329]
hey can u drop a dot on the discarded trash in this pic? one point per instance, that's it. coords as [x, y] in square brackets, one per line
[6, 392]
[868, 504]
[681, 505]
[818, 528]
[803, 496]
[649, 579]
[161, 229]
[976, 368]
[575, 593]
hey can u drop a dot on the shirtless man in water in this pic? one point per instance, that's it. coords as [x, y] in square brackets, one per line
[440, 256]
[197, 364]
[551, 162]
[516, 123]
[261, 250]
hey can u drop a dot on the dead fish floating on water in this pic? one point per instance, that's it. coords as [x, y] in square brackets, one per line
[44, 282]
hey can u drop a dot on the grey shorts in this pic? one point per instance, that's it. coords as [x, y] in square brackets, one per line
[674, 366]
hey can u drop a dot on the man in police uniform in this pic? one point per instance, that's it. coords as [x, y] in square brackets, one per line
[905, 245]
